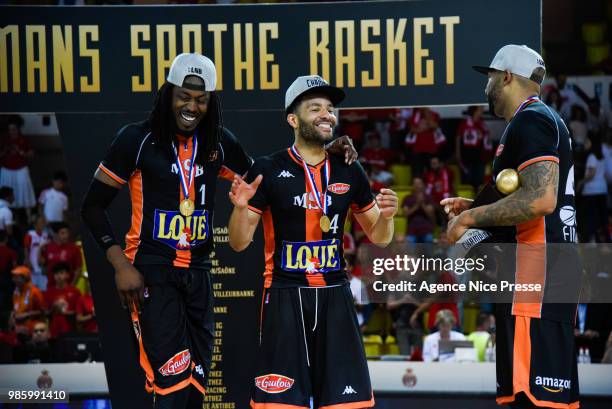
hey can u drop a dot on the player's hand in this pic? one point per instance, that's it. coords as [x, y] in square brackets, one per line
[343, 146]
[456, 228]
[453, 206]
[387, 203]
[241, 191]
[130, 285]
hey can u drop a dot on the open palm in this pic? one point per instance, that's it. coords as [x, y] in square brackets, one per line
[241, 191]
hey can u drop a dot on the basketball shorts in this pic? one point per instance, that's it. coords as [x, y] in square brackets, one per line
[535, 357]
[175, 328]
[310, 348]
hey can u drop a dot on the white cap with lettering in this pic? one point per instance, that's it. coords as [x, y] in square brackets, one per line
[312, 83]
[193, 64]
[518, 59]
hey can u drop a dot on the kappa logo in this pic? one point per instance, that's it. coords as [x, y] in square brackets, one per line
[348, 390]
[499, 150]
[274, 383]
[339, 188]
[554, 385]
[199, 370]
[177, 364]
[285, 174]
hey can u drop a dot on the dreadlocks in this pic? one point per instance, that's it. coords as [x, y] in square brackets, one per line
[163, 124]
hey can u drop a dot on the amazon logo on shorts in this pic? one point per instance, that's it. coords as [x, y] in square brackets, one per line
[180, 232]
[311, 257]
[554, 385]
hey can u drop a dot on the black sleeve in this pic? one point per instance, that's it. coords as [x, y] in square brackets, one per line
[534, 138]
[120, 160]
[259, 202]
[235, 159]
[93, 212]
[362, 199]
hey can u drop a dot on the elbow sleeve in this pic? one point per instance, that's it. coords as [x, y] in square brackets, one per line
[93, 212]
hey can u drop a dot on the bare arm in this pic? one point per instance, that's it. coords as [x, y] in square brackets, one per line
[243, 221]
[536, 197]
[377, 222]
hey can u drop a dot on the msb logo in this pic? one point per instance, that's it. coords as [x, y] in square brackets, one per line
[180, 232]
[311, 257]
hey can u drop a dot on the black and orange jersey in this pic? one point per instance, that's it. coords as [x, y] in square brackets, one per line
[535, 134]
[297, 251]
[159, 233]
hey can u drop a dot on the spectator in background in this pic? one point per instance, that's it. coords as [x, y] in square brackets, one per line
[607, 358]
[553, 99]
[53, 202]
[425, 138]
[606, 150]
[419, 210]
[594, 192]
[445, 321]
[592, 329]
[15, 152]
[482, 336]
[40, 349]
[32, 242]
[62, 300]
[8, 261]
[61, 249]
[438, 186]
[85, 311]
[597, 123]
[473, 147]
[569, 97]
[375, 154]
[7, 221]
[28, 302]
[578, 129]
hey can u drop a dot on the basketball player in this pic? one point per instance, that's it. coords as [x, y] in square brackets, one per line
[536, 363]
[310, 344]
[171, 163]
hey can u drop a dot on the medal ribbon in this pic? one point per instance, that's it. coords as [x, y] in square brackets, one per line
[528, 101]
[186, 184]
[311, 180]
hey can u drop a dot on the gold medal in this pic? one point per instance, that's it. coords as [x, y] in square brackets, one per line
[324, 223]
[187, 207]
[507, 181]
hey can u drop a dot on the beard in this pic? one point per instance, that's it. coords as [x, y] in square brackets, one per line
[493, 97]
[308, 132]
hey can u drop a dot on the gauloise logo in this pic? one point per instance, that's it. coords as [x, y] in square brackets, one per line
[177, 364]
[273, 383]
[554, 385]
[180, 232]
[339, 188]
[311, 257]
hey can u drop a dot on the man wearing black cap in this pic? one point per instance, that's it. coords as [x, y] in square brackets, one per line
[170, 162]
[536, 362]
[310, 344]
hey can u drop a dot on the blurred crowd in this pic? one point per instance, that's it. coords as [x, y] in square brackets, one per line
[45, 302]
[426, 158]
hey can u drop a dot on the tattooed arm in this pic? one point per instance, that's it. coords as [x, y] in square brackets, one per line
[536, 197]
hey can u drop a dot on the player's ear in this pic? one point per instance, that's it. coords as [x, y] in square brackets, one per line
[292, 120]
[507, 77]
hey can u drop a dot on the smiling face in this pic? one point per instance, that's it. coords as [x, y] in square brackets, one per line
[314, 119]
[189, 106]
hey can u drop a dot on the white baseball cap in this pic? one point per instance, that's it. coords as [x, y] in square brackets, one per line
[518, 59]
[310, 83]
[193, 64]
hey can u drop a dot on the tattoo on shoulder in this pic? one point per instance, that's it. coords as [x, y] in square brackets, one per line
[536, 180]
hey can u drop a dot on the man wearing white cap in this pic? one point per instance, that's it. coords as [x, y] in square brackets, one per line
[310, 343]
[536, 362]
[171, 163]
